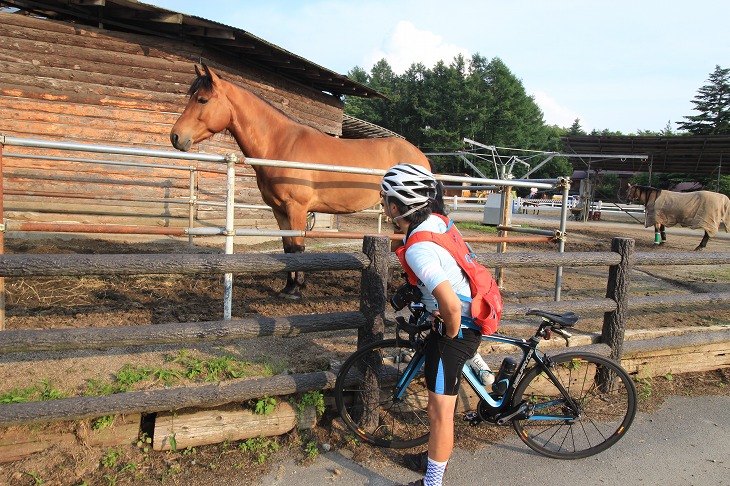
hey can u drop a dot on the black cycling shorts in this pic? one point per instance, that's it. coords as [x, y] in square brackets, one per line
[445, 358]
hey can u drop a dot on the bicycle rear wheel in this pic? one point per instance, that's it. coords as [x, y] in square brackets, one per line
[605, 404]
[364, 396]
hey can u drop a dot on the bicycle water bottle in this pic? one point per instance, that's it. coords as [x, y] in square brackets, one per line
[505, 374]
[481, 369]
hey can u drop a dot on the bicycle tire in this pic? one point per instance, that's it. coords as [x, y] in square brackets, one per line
[392, 424]
[605, 412]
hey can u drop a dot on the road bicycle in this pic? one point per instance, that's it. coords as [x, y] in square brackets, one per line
[565, 406]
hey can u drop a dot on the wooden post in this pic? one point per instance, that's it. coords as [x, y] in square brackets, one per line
[504, 221]
[619, 278]
[373, 289]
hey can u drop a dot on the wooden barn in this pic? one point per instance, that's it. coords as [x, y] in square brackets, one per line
[116, 72]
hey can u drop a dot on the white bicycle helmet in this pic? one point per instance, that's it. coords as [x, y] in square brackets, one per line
[410, 184]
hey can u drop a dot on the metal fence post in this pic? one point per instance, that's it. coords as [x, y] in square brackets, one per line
[191, 207]
[373, 289]
[2, 235]
[230, 232]
[619, 278]
[564, 183]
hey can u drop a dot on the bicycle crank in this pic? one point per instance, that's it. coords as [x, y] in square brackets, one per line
[525, 410]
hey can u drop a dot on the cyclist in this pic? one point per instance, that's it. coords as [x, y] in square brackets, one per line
[409, 195]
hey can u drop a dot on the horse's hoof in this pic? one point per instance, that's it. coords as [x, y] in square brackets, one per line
[290, 295]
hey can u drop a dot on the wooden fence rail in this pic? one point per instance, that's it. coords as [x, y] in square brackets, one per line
[189, 264]
[374, 262]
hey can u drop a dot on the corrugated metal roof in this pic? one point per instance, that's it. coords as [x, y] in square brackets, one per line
[355, 128]
[693, 154]
[133, 16]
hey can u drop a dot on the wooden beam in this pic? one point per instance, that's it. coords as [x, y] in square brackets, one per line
[89, 3]
[211, 33]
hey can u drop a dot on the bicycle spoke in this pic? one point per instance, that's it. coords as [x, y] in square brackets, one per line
[365, 397]
[591, 421]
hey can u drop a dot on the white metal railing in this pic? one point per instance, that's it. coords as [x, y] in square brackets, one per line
[231, 160]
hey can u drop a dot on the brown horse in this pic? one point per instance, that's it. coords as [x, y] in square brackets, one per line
[534, 203]
[701, 209]
[263, 132]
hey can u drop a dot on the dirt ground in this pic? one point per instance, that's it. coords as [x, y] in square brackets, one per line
[61, 302]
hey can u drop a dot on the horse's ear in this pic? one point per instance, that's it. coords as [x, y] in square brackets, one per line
[212, 75]
[197, 71]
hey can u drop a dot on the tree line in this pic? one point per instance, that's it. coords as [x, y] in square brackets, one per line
[480, 99]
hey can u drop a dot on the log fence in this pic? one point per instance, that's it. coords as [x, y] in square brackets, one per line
[696, 352]
[374, 262]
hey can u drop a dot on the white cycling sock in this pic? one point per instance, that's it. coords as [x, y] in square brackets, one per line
[434, 473]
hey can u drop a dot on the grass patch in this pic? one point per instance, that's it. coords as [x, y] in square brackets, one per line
[41, 392]
[265, 405]
[718, 273]
[180, 368]
[644, 387]
[312, 399]
[478, 227]
[273, 366]
[259, 448]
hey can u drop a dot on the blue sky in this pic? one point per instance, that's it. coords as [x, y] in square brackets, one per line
[621, 65]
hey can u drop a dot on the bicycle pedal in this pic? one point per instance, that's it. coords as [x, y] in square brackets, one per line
[473, 418]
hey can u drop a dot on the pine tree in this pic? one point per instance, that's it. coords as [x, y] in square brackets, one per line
[575, 128]
[712, 101]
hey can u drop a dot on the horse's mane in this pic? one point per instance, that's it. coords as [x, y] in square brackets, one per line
[648, 188]
[201, 82]
[206, 83]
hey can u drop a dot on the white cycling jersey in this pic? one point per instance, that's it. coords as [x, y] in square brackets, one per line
[433, 264]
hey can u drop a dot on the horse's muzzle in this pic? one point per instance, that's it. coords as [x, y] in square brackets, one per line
[180, 144]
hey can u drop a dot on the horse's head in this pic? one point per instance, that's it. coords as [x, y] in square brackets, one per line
[208, 111]
[641, 194]
[632, 193]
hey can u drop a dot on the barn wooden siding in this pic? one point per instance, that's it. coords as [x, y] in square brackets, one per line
[65, 82]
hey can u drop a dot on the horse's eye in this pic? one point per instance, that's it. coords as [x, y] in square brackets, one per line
[202, 101]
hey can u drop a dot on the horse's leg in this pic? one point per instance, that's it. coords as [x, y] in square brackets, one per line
[703, 243]
[658, 234]
[294, 280]
[663, 233]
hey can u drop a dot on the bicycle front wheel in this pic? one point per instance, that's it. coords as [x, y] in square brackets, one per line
[364, 394]
[597, 412]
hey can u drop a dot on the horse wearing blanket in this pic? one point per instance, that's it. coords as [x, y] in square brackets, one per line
[697, 210]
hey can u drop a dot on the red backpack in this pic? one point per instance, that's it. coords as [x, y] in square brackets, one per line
[486, 301]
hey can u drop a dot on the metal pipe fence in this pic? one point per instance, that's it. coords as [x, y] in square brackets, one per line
[229, 231]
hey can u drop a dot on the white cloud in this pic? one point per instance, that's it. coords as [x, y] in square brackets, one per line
[555, 113]
[407, 45]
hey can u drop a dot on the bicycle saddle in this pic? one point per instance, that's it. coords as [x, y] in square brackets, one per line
[567, 319]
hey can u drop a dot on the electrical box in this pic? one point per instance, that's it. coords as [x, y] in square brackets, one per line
[492, 210]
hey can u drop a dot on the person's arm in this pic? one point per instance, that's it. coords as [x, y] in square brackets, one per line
[449, 307]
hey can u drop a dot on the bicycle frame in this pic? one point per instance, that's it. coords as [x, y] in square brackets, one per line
[496, 407]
